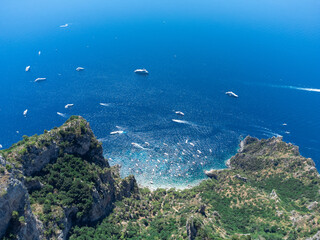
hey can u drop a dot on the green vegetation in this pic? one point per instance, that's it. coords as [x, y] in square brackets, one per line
[226, 207]
[266, 194]
[67, 183]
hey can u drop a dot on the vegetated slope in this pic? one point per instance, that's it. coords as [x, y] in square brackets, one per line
[56, 180]
[269, 192]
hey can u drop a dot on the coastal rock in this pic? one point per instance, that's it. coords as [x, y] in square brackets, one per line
[213, 173]
[33, 154]
[74, 137]
[256, 155]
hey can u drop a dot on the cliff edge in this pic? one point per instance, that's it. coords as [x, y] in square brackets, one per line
[54, 181]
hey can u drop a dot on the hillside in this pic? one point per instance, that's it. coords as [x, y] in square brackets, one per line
[59, 186]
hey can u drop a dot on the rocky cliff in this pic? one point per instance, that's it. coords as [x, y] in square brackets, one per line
[59, 186]
[34, 205]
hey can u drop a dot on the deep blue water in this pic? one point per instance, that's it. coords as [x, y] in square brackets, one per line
[266, 51]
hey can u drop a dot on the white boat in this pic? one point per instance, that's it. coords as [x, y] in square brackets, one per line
[25, 112]
[79, 69]
[137, 145]
[142, 71]
[69, 105]
[116, 132]
[64, 25]
[39, 53]
[232, 94]
[180, 113]
[27, 68]
[105, 104]
[1, 146]
[40, 79]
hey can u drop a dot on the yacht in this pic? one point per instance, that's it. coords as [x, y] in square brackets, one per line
[142, 71]
[25, 112]
[27, 68]
[40, 79]
[79, 69]
[137, 145]
[64, 25]
[232, 94]
[180, 113]
[116, 132]
[69, 105]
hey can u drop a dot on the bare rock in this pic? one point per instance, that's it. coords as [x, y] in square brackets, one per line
[312, 205]
[191, 229]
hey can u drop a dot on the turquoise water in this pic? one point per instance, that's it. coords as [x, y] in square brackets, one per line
[268, 52]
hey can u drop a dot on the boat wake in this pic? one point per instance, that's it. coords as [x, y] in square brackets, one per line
[62, 114]
[307, 89]
[183, 122]
[297, 88]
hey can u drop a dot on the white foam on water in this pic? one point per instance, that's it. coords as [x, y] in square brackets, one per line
[62, 114]
[297, 88]
[307, 89]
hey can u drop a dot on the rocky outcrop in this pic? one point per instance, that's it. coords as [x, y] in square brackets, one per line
[274, 196]
[213, 173]
[75, 137]
[238, 176]
[15, 213]
[312, 205]
[272, 153]
[30, 156]
[191, 229]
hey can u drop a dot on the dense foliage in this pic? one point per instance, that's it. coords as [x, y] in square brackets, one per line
[67, 183]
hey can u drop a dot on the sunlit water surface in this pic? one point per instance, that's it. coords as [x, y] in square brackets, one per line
[267, 52]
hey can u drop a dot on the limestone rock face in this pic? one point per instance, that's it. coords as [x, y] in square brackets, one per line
[29, 157]
[36, 159]
[191, 229]
[14, 198]
[74, 137]
[213, 173]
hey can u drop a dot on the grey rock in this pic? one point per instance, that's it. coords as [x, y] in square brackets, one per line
[241, 178]
[312, 205]
[191, 229]
[14, 197]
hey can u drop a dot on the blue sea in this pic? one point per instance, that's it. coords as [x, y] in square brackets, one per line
[267, 52]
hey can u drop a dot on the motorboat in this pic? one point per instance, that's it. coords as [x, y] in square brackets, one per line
[142, 71]
[69, 105]
[79, 69]
[232, 94]
[40, 79]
